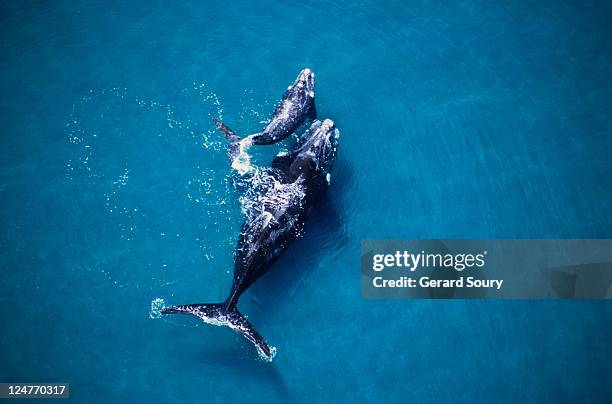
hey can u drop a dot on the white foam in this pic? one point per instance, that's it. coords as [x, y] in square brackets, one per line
[242, 163]
[157, 305]
[219, 322]
[263, 356]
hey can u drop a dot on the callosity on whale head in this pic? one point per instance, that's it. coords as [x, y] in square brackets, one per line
[305, 83]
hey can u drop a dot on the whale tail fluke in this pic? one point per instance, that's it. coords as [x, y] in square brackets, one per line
[227, 132]
[219, 314]
[233, 149]
[237, 147]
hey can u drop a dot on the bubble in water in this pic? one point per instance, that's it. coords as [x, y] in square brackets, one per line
[157, 305]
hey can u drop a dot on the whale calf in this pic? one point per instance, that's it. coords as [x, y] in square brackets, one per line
[296, 105]
[285, 193]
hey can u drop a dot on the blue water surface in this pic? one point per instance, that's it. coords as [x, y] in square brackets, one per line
[468, 119]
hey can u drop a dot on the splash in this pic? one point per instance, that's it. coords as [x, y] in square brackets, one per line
[256, 197]
[264, 357]
[157, 305]
[242, 163]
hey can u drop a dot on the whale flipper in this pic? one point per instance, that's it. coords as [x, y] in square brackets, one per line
[312, 114]
[219, 314]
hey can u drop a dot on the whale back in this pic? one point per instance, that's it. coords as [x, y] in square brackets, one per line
[270, 225]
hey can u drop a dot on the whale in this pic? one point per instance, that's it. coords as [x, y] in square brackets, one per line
[295, 106]
[285, 193]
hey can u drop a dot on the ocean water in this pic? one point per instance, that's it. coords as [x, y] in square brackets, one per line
[469, 119]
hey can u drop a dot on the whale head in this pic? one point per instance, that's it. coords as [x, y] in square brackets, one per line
[316, 151]
[304, 83]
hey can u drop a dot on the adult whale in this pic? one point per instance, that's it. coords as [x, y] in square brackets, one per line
[296, 105]
[286, 191]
